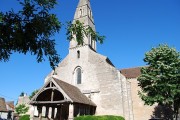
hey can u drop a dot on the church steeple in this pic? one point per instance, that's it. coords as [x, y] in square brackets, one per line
[84, 14]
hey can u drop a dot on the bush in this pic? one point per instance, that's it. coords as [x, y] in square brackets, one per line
[21, 109]
[106, 117]
[25, 117]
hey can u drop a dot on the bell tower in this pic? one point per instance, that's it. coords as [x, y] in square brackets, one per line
[84, 15]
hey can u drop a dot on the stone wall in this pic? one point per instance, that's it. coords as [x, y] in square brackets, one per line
[101, 81]
[140, 111]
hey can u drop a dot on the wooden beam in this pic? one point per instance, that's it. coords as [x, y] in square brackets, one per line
[51, 88]
[52, 95]
[50, 102]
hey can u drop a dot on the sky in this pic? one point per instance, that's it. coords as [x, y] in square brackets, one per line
[131, 27]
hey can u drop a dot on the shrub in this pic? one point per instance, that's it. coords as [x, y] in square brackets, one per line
[106, 117]
[21, 109]
[25, 117]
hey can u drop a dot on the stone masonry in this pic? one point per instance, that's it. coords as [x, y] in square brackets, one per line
[98, 78]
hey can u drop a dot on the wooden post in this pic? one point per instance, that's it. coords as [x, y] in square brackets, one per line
[47, 112]
[32, 112]
[52, 95]
[52, 112]
[58, 113]
[71, 112]
[40, 112]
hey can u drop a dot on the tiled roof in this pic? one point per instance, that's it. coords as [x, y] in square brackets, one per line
[131, 72]
[10, 105]
[74, 93]
[2, 105]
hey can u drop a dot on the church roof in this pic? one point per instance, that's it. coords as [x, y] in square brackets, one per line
[74, 93]
[3, 105]
[131, 72]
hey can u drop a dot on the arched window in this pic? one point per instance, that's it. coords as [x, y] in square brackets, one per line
[78, 75]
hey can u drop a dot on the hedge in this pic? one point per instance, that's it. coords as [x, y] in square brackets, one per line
[25, 117]
[106, 117]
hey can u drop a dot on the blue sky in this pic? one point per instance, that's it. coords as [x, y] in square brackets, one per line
[131, 27]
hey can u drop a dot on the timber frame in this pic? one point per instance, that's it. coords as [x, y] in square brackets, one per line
[59, 100]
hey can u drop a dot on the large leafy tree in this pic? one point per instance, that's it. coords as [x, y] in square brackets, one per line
[160, 80]
[31, 30]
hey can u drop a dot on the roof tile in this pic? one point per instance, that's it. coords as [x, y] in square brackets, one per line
[74, 93]
[3, 105]
[131, 72]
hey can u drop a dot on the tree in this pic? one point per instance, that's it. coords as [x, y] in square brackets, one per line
[22, 94]
[79, 31]
[21, 109]
[31, 30]
[32, 94]
[160, 80]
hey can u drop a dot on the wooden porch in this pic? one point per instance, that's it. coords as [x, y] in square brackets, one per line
[58, 100]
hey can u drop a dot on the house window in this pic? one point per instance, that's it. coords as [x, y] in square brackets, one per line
[78, 75]
[78, 54]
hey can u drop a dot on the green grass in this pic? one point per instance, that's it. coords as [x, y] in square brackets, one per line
[25, 117]
[106, 117]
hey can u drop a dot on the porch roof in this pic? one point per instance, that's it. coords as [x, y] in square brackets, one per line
[71, 93]
[74, 93]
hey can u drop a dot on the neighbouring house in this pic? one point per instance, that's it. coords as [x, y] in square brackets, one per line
[3, 109]
[6, 109]
[24, 100]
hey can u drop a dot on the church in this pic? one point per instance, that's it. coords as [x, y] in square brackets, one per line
[87, 83]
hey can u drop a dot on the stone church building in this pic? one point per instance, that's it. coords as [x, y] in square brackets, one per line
[87, 83]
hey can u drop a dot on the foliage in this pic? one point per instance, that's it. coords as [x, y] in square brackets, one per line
[21, 109]
[32, 94]
[22, 94]
[80, 31]
[160, 80]
[31, 30]
[25, 117]
[106, 117]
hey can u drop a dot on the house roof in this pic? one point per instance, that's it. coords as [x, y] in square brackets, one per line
[10, 105]
[74, 93]
[131, 72]
[2, 105]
